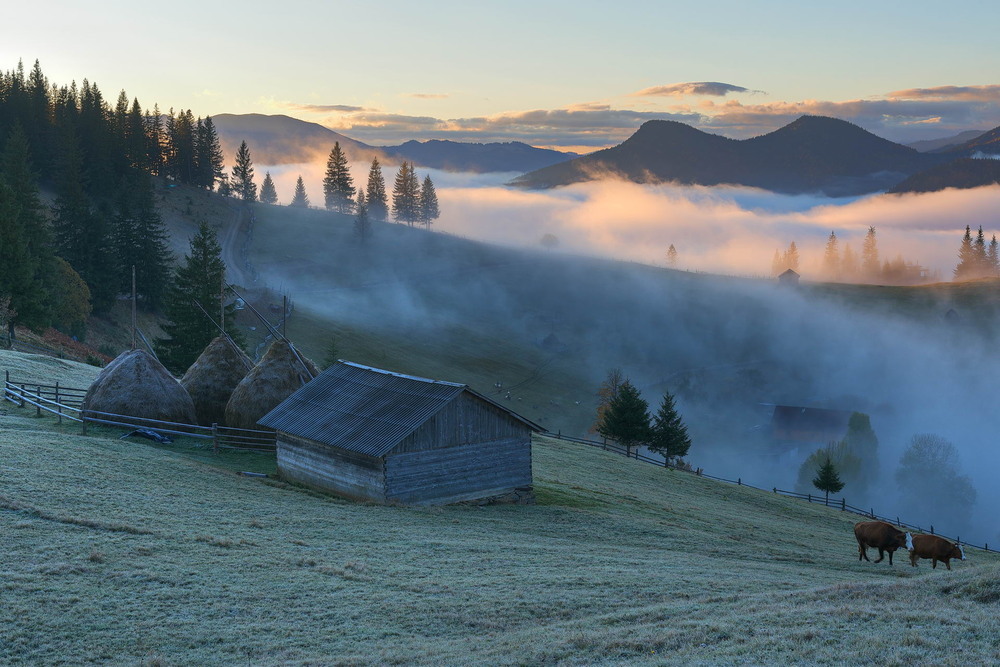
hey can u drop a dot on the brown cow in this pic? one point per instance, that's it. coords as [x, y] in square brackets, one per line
[882, 536]
[936, 548]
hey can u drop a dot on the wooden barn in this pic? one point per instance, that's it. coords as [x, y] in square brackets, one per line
[370, 434]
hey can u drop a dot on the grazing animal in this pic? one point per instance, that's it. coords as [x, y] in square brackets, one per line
[882, 536]
[936, 548]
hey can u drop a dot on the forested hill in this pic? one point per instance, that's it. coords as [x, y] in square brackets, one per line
[512, 156]
[963, 173]
[811, 154]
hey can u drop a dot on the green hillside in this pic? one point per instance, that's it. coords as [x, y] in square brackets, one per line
[119, 552]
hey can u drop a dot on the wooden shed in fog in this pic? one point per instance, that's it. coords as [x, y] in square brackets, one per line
[370, 434]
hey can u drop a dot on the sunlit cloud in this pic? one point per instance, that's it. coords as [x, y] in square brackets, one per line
[328, 108]
[711, 88]
[429, 96]
[989, 93]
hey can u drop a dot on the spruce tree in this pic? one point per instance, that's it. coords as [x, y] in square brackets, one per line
[993, 258]
[362, 225]
[870, 266]
[672, 256]
[429, 211]
[300, 200]
[627, 418]
[792, 257]
[376, 196]
[197, 281]
[669, 435]
[268, 195]
[831, 258]
[243, 184]
[827, 479]
[979, 250]
[338, 184]
[606, 393]
[26, 226]
[406, 195]
[209, 162]
[141, 240]
[966, 257]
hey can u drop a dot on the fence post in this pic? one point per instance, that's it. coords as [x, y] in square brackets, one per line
[932, 529]
[21, 395]
[775, 489]
[215, 437]
[739, 481]
[38, 402]
[843, 504]
[83, 420]
[809, 497]
[58, 404]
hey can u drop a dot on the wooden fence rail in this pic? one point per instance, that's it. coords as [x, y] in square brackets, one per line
[66, 402]
[840, 504]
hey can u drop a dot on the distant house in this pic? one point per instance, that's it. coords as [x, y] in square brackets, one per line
[789, 277]
[792, 426]
[370, 434]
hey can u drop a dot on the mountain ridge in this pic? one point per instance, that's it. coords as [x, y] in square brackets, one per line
[811, 154]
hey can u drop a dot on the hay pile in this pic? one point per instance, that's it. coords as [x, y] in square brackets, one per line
[212, 378]
[137, 385]
[278, 375]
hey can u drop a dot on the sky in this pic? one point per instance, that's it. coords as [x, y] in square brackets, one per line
[571, 75]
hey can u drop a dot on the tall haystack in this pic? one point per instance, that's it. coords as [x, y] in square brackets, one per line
[135, 384]
[212, 378]
[278, 375]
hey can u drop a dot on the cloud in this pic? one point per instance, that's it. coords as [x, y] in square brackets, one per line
[328, 108]
[712, 88]
[429, 96]
[989, 93]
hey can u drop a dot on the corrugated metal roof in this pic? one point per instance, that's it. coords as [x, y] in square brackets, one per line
[363, 409]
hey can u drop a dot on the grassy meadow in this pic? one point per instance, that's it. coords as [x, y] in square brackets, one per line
[120, 552]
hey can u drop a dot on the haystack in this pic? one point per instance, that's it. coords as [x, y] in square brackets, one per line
[278, 375]
[135, 384]
[212, 378]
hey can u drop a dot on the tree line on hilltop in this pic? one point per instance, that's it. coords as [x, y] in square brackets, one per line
[413, 202]
[976, 259]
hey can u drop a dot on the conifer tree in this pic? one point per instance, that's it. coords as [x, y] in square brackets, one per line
[209, 162]
[406, 195]
[197, 281]
[376, 197]
[268, 195]
[993, 259]
[606, 393]
[827, 479]
[669, 435]
[242, 181]
[777, 264]
[627, 418]
[831, 258]
[671, 256]
[362, 225]
[300, 200]
[140, 240]
[979, 248]
[966, 257]
[792, 257]
[25, 227]
[338, 184]
[429, 211]
[870, 265]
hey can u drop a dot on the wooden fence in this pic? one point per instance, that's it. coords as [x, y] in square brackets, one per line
[66, 403]
[840, 504]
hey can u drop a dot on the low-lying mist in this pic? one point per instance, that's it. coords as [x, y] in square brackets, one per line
[724, 346]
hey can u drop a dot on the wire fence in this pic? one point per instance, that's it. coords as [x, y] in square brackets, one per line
[67, 403]
[834, 503]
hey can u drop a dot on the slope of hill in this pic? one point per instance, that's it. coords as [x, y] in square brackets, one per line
[944, 143]
[512, 156]
[962, 173]
[120, 552]
[811, 154]
[987, 143]
[278, 139]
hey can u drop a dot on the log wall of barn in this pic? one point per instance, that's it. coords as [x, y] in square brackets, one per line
[330, 468]
[462, 472]
[466, 420]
